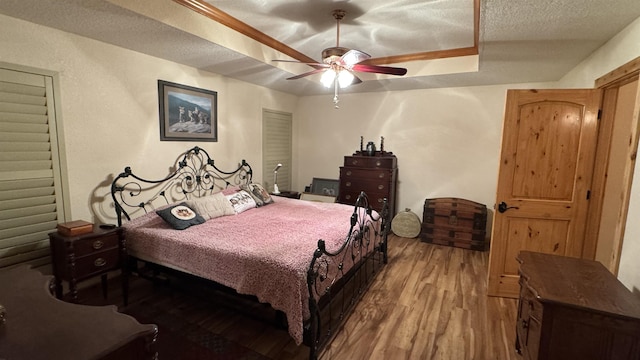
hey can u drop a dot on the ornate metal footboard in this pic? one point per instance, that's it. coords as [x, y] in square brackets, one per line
[335, 287]
[195, 175]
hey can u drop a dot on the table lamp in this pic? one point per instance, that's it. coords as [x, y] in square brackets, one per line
[275, 179]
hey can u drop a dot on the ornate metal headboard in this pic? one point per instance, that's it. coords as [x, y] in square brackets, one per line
[196, 175]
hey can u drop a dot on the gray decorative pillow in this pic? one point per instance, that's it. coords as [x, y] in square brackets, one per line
[241, 201]
[211, 207]
[247, 188]
[258, 193]
[180, 216]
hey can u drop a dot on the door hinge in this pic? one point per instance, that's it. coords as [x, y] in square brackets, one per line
[599, 114]
[588, 194]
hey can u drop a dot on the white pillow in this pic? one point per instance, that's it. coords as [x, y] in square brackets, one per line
[241, 201]
[211, 207]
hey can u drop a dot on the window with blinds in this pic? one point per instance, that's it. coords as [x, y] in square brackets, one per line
[276, 148]
[30, 190]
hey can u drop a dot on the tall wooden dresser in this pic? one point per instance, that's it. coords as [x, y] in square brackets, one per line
[376, 175]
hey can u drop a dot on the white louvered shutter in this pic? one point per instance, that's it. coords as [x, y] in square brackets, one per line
[276, 148]
[30, 191]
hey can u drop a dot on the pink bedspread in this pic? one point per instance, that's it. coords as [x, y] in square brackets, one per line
[264, 251]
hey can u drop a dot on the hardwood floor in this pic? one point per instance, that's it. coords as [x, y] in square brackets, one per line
[429, 302]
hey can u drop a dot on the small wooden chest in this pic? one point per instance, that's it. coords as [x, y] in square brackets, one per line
[455, 222]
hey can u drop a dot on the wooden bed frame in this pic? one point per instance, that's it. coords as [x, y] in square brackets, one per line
[333, 291]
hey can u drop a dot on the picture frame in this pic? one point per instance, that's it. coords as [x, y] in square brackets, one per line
[187, 113]
[327, 187]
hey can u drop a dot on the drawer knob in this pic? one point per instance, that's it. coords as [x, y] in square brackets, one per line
[354, 162]
[97, 245]
[100, 262]
[348, 183]
[381, 175]
[380, 200]
[378, 163]
[380, 187]
[347, 197]
[349, 173]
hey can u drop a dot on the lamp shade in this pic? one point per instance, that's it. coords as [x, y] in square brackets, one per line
[345, 78]
[328, 77]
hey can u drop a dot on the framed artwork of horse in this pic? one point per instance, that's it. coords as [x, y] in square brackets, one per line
[187, 113]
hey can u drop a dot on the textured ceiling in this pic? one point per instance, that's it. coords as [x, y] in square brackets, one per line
[519, 40]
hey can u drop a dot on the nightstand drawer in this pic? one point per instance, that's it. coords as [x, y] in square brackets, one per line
[96, 244]
[96, 263]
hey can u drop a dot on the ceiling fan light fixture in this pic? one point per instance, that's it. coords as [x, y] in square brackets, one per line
[345, 78]
[339, 62]
[328, 77]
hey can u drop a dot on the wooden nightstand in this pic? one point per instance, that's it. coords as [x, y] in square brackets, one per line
[288, 194]
[80, 257]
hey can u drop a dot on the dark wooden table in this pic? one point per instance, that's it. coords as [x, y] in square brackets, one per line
[39, 326]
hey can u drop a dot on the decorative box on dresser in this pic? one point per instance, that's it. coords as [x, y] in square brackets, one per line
[80, 257]
[376, 175]
[573, 308]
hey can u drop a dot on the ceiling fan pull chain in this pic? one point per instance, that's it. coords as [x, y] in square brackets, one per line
[335, 94]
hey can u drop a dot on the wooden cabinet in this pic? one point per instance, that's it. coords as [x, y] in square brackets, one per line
[573, 308]
[41, 327]
[80, 257]
[375, 175]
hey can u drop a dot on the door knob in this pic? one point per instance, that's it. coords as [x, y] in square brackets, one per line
[502, 207]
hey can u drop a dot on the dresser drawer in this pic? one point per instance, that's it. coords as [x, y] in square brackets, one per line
[97, 262]
[370, 162]
[350, 196]
[95, 244]
[369, 187]
[366, 174]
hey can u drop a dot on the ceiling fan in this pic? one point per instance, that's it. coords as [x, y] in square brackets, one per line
[339, 63]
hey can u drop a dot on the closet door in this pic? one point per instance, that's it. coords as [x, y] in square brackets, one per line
[31, 197]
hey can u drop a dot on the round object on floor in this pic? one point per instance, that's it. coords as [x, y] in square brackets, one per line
[406, 224]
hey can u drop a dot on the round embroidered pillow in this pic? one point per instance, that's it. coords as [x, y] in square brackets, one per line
[406, 224]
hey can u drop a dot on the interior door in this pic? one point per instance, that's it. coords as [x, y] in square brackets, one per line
[546, 164]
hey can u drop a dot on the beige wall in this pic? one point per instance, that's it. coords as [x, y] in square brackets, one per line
[619, 50]
[447, 140]
[110, 110]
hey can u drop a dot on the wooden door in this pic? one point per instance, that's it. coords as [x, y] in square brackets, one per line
[548, 151]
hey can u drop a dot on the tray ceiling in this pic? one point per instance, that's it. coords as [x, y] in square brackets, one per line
[514, 41]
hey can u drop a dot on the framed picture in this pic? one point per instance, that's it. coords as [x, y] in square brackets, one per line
[187, 113]
[327, 187]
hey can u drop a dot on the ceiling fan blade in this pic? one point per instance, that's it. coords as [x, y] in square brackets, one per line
[379, 69]
[306, 74]
[300, 62]
[356, 80]
[353, 57]
[313, 65]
